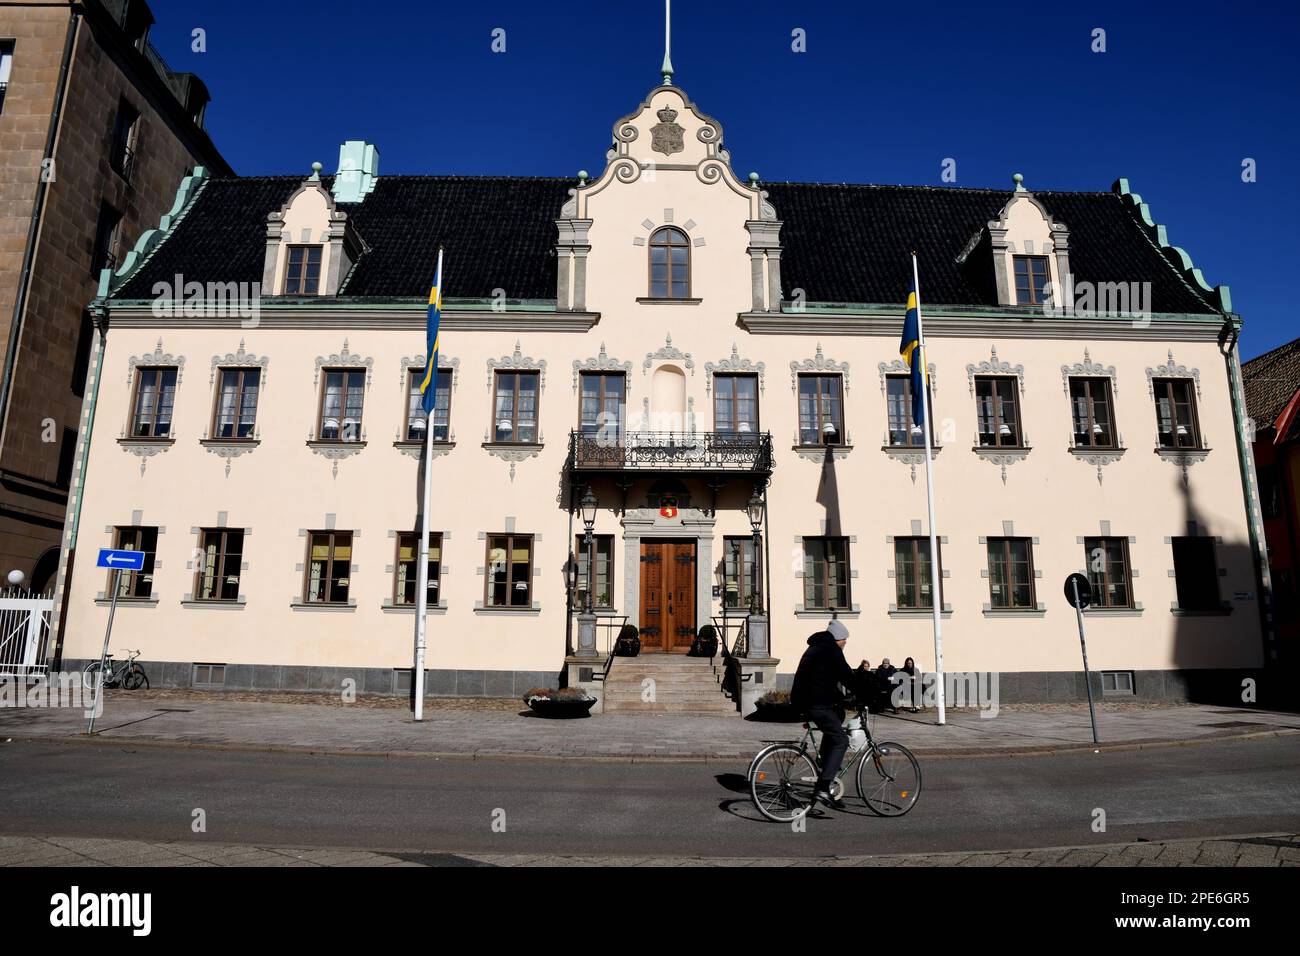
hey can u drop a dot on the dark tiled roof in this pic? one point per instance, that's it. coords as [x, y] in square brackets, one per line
[1270, 381]
[851, 243]
[840, 243]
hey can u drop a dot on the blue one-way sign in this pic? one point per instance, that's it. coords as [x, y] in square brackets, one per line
[124, 560]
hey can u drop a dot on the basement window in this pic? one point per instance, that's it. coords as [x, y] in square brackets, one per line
[1117, 683]
[209, 675]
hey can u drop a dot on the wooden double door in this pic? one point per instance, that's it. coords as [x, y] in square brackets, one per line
[667, 596]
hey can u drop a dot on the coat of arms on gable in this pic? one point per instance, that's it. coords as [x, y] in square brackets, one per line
[666, 136]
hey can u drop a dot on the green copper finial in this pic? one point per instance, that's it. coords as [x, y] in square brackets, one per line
[1018, 179]
[582, 177]
[753, 179]
[315, 171]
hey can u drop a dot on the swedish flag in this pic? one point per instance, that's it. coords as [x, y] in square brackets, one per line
[429, 384]
[910, 349]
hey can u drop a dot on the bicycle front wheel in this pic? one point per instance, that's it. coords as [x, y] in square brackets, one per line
[135, 678]
[91, 674]
[782, 783]
[889, 780]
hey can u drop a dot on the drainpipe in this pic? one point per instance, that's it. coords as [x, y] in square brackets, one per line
[72, 520]
[34, 227]
[1228, 338]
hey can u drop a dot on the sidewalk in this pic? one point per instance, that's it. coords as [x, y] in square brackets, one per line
[1267, 850]
[496, 728]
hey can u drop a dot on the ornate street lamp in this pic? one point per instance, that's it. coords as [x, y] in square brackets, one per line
[588, 506]
[757, 508]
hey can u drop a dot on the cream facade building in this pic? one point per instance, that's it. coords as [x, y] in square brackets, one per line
[671, 337]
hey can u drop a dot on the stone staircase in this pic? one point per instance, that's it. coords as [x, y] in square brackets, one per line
[682, 685]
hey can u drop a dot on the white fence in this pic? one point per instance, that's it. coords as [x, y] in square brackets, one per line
[24, 632]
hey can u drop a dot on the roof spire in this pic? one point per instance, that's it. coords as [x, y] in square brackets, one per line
[667, 68]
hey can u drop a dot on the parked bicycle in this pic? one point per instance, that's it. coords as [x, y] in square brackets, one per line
[782, 775]
[128, 674]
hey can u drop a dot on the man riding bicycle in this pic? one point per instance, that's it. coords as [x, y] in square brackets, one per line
[816, 691]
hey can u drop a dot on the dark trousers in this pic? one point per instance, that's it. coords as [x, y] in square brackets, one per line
[835, 739]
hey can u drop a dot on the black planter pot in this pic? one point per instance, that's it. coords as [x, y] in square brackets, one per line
[559, 707]
[777, 713]
[627, 647]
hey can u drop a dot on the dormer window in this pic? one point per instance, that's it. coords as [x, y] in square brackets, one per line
[1031, 279]
[670, 264]
[302, 270]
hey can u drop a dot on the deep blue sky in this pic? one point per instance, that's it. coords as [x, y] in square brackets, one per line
[883, 94]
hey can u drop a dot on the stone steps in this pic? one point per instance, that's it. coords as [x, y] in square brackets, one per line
[683, 685]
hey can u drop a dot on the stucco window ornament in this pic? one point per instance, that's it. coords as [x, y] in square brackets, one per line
[730, 366]
[818, 363]
[912, 457]
[1172, 369]
[1088, 369]
[225, 448]
[336, 452]
[415, 363]
[1002, 457]
[899, 367]
[146, 448]
[344, 359]
[157, 358]
[994, 366]
[602, 363]
[513, 454]
[668, 353]
[517, 361]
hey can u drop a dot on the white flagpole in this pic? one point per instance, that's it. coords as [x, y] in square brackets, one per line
[422, 573]
[936, 589]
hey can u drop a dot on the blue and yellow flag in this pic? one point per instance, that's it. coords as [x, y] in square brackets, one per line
[429, 384]
[910, 349]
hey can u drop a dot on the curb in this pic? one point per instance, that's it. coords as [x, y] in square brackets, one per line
[950, 754]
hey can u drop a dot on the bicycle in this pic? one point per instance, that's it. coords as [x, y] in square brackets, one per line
[782, 776]
[127, 673]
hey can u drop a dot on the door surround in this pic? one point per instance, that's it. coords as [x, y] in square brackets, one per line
[690, 524]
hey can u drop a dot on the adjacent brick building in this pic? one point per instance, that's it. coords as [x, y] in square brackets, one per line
[95, 135]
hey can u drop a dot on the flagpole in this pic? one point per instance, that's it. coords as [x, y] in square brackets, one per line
[422, 573]
[936, 589]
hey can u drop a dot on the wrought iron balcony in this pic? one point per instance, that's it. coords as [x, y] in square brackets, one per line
[666, 452]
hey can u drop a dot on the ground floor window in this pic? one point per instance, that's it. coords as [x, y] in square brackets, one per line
[912, 581]
[1011, 574]
[1196, 574]
[738, 572]
[406, 582]
[135, 585]
[219, 573]
[329, 566]
[1108, 571]
[595, 564]
[509, 570]
[826, 574]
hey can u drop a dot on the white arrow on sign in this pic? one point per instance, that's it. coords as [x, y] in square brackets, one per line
[114, 559]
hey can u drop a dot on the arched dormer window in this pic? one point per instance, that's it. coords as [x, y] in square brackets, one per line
[670, 264]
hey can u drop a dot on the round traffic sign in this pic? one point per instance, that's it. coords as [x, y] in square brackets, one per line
[1079, 581]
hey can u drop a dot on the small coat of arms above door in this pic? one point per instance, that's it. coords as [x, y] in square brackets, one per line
[666, 136]
[668, 507]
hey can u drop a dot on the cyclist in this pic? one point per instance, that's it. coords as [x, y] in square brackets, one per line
[816, 691]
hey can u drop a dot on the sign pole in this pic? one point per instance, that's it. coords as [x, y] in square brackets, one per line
[103, 654]
[1083, 645]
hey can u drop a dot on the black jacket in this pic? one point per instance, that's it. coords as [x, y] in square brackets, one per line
[821, 670]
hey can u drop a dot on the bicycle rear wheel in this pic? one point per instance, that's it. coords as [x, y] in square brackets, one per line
[91, 673]
[135, 678]
[889, 781]
[781, 784]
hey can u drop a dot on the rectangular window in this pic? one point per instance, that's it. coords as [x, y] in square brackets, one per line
[997, 408]
[1031, 279]
[1011, 574]
[217, 578]
[1176, 413]
[826, 574]
[329, 567]
[209, 675]
[302, 271]
[134, 585]
[514, 407]
[107, 231]
[1090, 405]
[600, 408]
[407, 582]
[821, 410]
[1196, 574]
[738, 571]
[236, 412]
[735, 405]
[1108, 571]
[342, 400]
[1117, 682]
[124, 136]
[6, 67]
[155, 395]
[414, 430]
[509, 570]
[1270, 492]
[67, 458]
[602, 553]
[898, 400]
[912, 581]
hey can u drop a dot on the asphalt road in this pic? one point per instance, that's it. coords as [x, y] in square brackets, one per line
[652, 809]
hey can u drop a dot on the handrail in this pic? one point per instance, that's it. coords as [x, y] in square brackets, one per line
[607, 621]
[739, 647]
[743, 453]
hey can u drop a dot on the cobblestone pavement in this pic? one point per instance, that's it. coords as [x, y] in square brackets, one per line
[503, 728]
[1266, 850]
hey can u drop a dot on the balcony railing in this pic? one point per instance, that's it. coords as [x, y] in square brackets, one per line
[700, 452]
